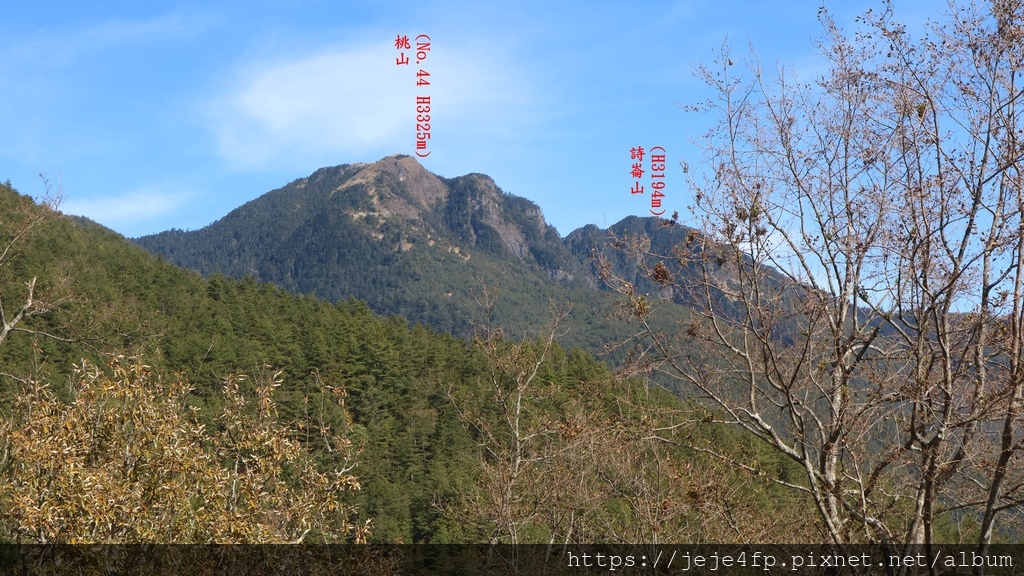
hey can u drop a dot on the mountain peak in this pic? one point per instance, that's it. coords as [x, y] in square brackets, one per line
[470, 210]
[397, 185]
[392, 233]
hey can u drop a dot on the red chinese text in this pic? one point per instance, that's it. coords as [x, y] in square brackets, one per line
[422, 79]
[657, 174]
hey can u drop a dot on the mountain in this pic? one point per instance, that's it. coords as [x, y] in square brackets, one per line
[412, 243]
[420, 405]
[99, 294]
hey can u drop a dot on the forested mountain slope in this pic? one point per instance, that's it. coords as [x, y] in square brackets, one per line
[412, 243]
[428, 414]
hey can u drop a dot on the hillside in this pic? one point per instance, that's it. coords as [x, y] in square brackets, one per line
[422, 409]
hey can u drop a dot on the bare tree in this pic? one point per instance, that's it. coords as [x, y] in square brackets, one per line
[519, 439]
[587, 461]
[25, 218]
[855, 265]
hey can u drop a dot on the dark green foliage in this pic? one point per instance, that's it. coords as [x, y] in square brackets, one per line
[217, 327]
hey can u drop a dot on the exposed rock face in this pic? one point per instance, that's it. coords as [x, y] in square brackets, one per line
[398, 186]
[489, 208]
[469, 210]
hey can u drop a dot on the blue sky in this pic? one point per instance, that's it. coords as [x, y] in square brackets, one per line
[157, 116]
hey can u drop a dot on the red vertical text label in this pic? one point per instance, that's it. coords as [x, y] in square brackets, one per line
[402, 43]
[657, 179]
[422, 79]
[422, 102]
[657, 173]
[636, 171]
[422, 124]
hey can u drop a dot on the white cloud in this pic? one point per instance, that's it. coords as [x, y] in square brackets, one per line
[341, 104]
[131, 211]
[328, 103]
[55, 47]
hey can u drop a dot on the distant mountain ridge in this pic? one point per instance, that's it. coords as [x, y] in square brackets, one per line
[409, 242]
